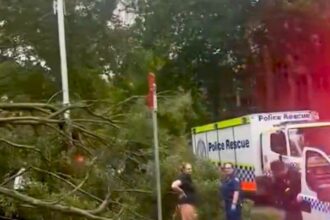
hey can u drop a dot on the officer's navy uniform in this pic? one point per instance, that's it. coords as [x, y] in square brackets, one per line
[287, 186]
[293, 188]
[228, 187]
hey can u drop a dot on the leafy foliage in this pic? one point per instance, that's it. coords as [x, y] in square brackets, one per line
[203, 45]
[101, 159]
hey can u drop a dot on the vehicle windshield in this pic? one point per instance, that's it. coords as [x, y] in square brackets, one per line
[317, 137]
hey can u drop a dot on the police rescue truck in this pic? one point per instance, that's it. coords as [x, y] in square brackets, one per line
[252, 142]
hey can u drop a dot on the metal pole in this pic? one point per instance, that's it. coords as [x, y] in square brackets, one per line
[64, 68]
[157, 166]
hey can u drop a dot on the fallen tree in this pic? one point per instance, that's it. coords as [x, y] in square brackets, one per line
[65, 164]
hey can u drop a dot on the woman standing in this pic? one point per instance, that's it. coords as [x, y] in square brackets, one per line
[230, 190]
[184, 186]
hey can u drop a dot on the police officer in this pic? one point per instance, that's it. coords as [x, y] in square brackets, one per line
[230, 190]
[288, 183]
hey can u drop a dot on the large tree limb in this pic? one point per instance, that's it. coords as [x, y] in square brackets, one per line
[121, 211]
[130, 210]
[30, 118]
[21, 146]
[66, 135]
[9, 179]
[53, 96]
[91, 134]
[73, 191]
[78, 186]
[27, 106]
[62, 110]
[111, 122]
[103, 205]
[95, 121]
[45, 111]
[41, 204]
[133, 190]
[128, 100]
[69, 183]
[25, 147]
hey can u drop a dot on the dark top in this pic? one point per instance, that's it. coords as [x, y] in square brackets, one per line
[228, 187]
[189, 189]
[293, 188]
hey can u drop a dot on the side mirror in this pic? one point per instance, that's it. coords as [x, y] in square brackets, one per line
[278, 143]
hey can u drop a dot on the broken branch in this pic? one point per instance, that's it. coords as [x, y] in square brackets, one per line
[78, 186]
[67, 182]
[25, 147]
[9, 179]
[41, 204]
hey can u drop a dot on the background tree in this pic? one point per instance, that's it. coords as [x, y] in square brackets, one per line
[290, 55]
[203, 48]
[29, 38]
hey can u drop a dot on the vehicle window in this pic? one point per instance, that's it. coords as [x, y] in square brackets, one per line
[317, 137]
[317, 172]
[294, 149]
[296, 142]
[278, 143]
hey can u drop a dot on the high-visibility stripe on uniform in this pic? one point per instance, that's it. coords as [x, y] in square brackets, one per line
[221, 124]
